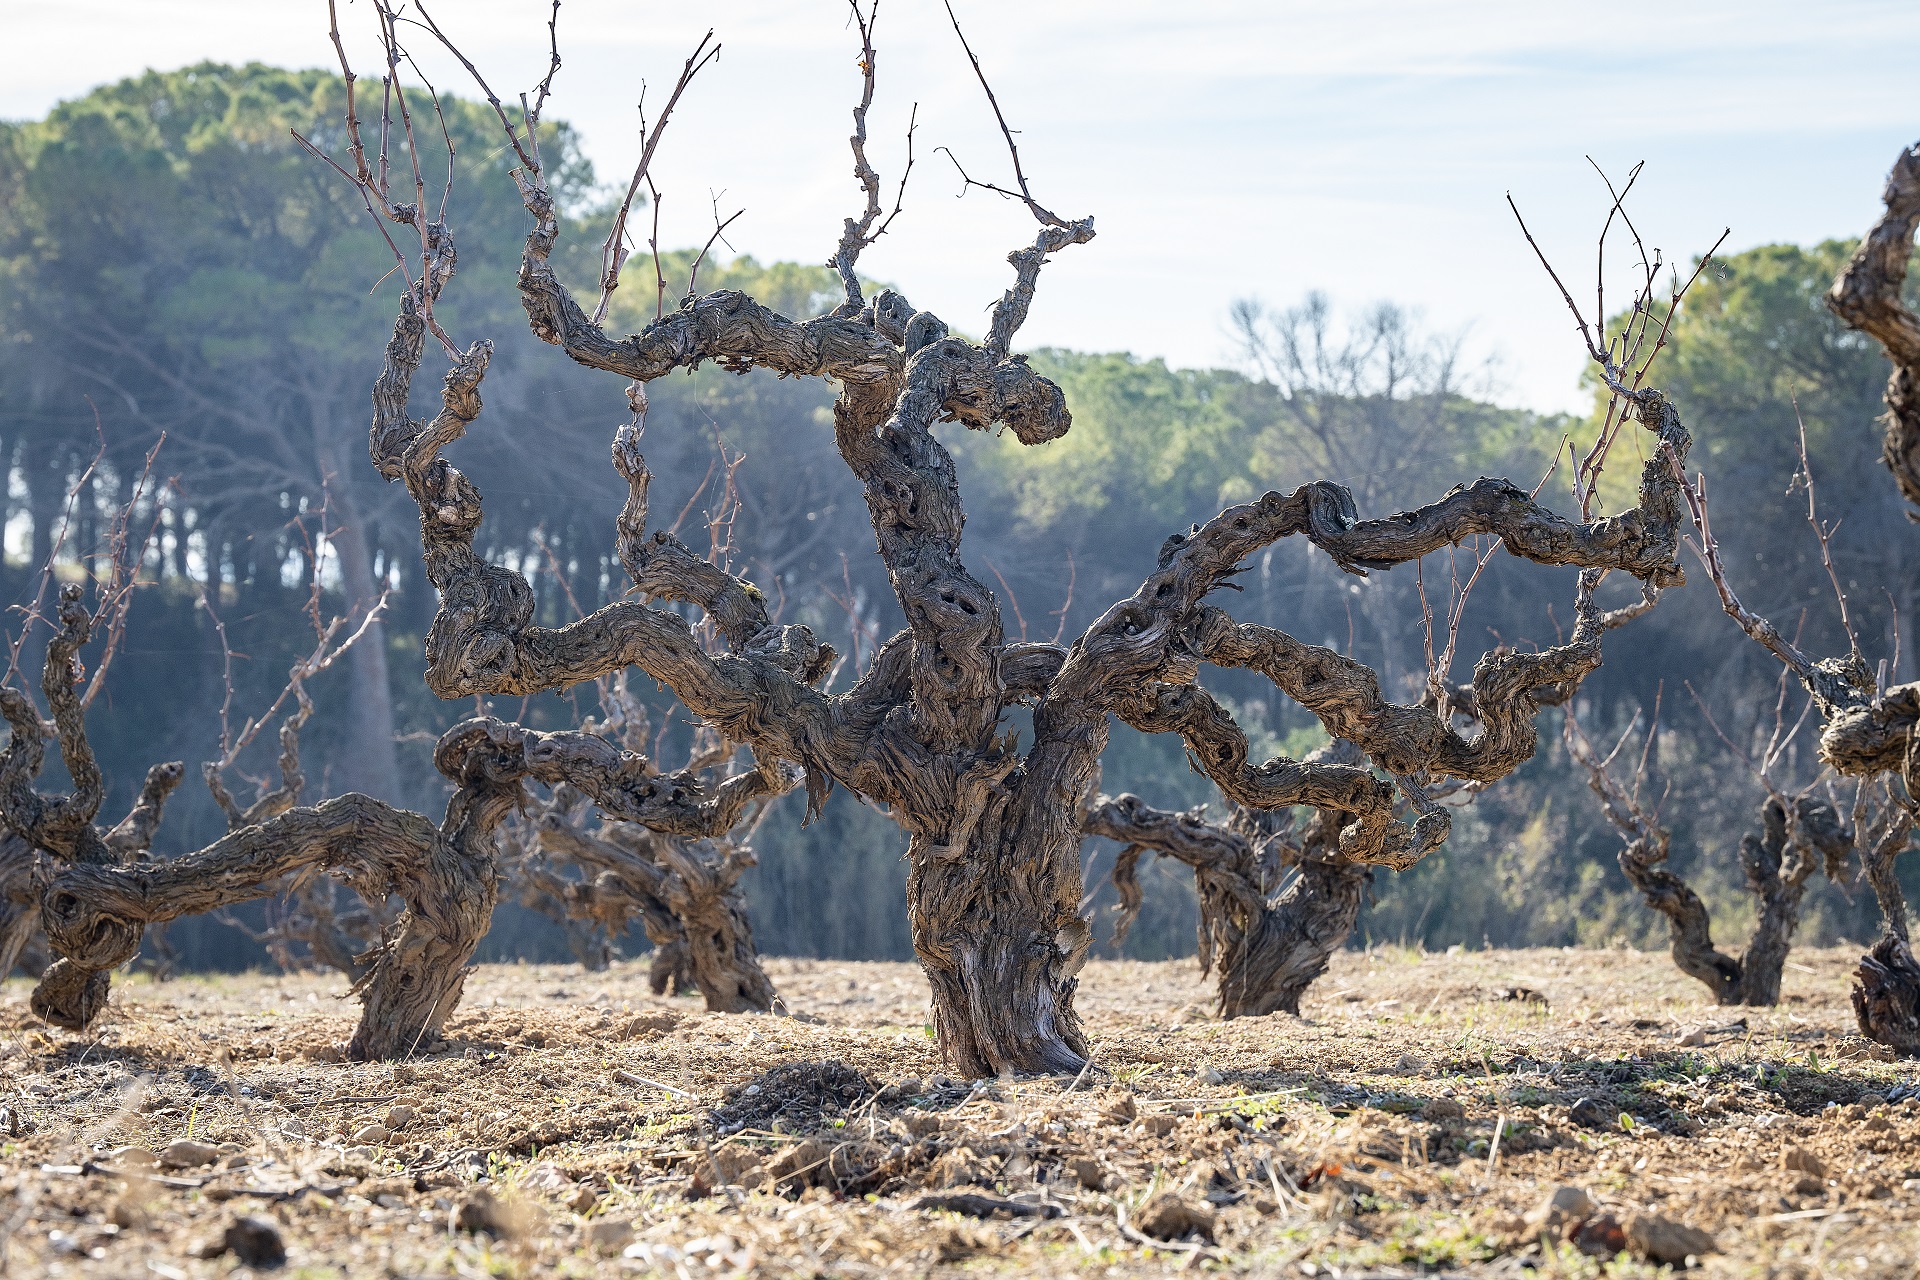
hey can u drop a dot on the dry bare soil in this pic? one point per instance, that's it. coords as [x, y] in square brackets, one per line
[1412, 1122]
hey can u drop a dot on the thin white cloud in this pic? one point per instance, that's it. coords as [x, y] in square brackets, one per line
[1226, 148]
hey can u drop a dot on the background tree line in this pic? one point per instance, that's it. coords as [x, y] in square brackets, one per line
[173, 264]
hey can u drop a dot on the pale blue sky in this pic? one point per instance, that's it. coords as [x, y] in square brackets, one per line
[1226, 149]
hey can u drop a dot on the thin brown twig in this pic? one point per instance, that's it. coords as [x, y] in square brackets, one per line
[859, 233]
[613, 253]
[1060, 631]
[31, 610]
[1025, 194]
[1822, 531]
[1012, 599]
[719, 229]
[115, 601]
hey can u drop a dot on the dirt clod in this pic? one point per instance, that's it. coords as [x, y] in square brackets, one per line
[805, 1095]
[188, 1154]
[1661, 1239]
[1168, 1217]
[253, 1238]
[1801, 1160]
[609, 1235]
[1087, 1172]
[480, 1211]
[1599, 1237]
[1589, 1114]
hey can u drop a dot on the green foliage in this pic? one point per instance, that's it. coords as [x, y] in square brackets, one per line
[166, 248]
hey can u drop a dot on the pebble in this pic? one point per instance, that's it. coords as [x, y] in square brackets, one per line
[1661, 1239]
[545, 1177]
[188, 1154]
[1088, 1172]
[1591, 1115]
[609, 1235]
[478, 1211]
[371, 1135]
[399, 1117]
[1563, 1207]
[134, 1157]
[910, 1087]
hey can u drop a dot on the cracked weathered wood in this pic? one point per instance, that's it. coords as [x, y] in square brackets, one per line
[1886, 995]
[1867, 298]
[63, 827]
[1886, 985]
[685, 893]
[993, 829]
[19, 901]
[677, 873]
[1777, 863]
[1265, 948]
[993, 880]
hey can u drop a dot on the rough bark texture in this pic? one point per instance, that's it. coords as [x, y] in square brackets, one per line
[1869, 732]
[993, 885]
[96, 896]
[1777, 865]
[1867, 298]
[1886, 986]
[994, 880]
[1778, 861]
[1267, 948]
[686, 895]
[1886, 995]
[679, 874]
[71, 993]
[19, 902]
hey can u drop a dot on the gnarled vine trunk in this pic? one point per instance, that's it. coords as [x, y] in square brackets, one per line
[1886, 985]
[19, 901]
[96, 897]
[1862, 736]
[1777, 862]
[1265, 948]
[687, 896]
[1777, 866]
[993, 825]
[676, 868]
[1867, 297]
